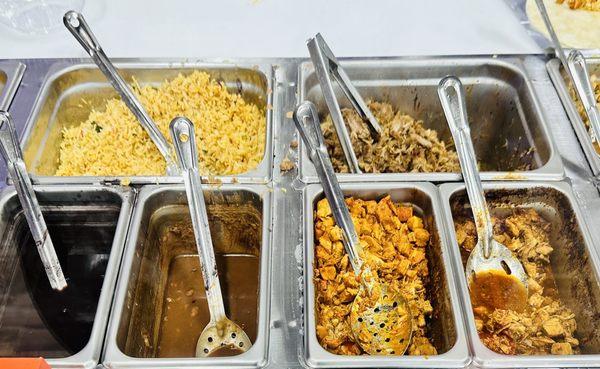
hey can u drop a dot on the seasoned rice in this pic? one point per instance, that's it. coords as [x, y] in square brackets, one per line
[230, 132]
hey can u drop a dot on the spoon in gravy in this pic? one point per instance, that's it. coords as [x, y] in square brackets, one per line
[496, 277]
[221, 336]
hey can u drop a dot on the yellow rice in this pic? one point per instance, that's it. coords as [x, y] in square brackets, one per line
[230, 133]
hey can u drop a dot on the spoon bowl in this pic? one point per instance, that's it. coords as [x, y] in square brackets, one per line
[380, 319]
[496, 277]
[224, 334]
[220, 333]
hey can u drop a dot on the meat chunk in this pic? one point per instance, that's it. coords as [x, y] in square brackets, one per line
[395, 244]
[553, 328]
[561, 348]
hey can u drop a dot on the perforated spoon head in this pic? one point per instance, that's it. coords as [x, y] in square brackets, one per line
[224, 334]
[381, 322]
[497, 282]
[496, 277]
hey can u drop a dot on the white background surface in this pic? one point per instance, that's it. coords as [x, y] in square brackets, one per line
[279, 28]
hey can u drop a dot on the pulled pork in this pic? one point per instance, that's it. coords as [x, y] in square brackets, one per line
[547, 326]
[405, 144]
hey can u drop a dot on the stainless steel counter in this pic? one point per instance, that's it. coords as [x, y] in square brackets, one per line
[286, 328]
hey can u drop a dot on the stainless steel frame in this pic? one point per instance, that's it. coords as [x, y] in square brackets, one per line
[425, 197]
[89, 356]
[257, 355]
[561, 82]
[69, 82]
[11, 73]
[486, 358]
[285, 325]
[501, 86]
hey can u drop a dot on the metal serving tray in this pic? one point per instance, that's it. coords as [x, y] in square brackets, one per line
[575, 260]
[133, 336]
[506, 117]
[88, 226]
[561, 82]
[11, 73]
[447, 329]
[58, 105]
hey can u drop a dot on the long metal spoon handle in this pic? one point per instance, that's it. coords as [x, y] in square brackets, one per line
[182, 132]
[451, 93]
[307, 122]
[9, 146]
[76, 24]
[546, 18]
[583, 86]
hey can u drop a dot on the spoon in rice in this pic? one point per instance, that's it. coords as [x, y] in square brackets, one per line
[380, 318]
[496, 277]
[220, 332]
[76, 24]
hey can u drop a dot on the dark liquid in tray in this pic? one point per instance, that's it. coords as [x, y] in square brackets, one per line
[36, 320]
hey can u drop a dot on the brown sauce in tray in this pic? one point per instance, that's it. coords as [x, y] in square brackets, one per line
[496, 289]
[185, 310]
[226, 351]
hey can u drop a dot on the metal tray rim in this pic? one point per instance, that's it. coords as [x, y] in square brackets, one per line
[553, 66]
[113, 357]
[261, 174]
[89, 356]
[317, 356]
[482, 356]
[553, 170]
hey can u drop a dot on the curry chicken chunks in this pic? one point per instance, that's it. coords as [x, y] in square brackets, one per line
[546, 326]
[395, 243]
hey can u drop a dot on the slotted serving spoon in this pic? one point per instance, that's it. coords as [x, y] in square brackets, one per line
[489, 257]
[380, 318]
[79, 28]
[9, 146]
[220, 332]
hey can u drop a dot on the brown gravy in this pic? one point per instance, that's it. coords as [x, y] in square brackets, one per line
[497, 290]
[185, 311]
[226, 351]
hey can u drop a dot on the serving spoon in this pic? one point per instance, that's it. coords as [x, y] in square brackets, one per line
[380, 318]
[76, 24]
[9, 146]
[496, 277]
[220, 332]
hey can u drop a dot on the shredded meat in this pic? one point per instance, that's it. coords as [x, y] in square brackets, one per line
[394, 245]
[591, 5]
[405, 144]
[596, 86]
[547, 326]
